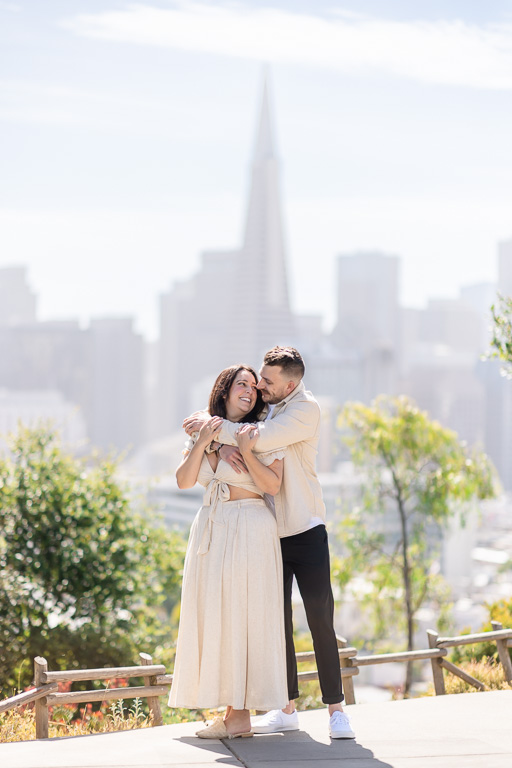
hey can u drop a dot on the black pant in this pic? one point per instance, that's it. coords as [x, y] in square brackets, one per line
[306, 556]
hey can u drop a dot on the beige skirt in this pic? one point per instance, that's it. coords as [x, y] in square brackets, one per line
[231, 646]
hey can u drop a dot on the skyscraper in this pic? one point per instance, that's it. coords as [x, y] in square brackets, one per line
[368, 318]
[368, 313]
[116, 415]
[17, 301]
[505, 267]
[499, 389]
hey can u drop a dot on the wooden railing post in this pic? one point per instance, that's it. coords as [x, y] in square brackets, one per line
[153, 703]
[41, 706]
[348, 682]
[437, 670]
[503, 653]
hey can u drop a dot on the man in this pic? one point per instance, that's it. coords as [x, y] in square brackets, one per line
[293, 420]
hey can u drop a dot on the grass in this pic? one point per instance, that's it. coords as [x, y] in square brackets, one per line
[485, 670]
[19, 724]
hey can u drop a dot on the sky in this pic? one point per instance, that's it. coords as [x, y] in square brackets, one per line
[127, 128]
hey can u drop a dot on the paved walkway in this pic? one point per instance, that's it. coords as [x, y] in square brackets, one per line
[471, 730]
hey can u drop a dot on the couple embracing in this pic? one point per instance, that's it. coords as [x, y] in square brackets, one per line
[262, 523]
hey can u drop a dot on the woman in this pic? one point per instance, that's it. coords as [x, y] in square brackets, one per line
[231, 647]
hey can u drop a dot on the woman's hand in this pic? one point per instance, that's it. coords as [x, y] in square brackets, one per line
[209, 430]
[247, 437]
[194, 423]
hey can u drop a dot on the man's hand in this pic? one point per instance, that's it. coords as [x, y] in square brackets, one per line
[194, 423]
[233, 457]
[247, 437]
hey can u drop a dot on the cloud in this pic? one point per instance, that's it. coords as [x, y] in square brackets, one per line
[452, 53]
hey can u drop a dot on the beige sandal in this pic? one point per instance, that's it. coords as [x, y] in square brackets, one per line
[217, 730]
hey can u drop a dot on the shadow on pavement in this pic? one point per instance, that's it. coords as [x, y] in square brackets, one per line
[290, 748]
[211, 745]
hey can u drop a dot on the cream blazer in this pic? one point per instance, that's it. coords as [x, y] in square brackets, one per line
[294, 424]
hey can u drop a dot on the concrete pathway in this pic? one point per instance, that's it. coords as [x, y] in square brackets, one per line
[471, 730]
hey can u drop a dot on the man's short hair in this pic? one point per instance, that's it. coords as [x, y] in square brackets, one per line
[288, 359]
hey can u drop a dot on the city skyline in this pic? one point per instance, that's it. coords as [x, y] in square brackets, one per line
[128, 142]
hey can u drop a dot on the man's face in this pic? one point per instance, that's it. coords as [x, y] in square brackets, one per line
[273, 385]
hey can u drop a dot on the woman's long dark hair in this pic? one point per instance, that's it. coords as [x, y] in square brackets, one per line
[221, 388]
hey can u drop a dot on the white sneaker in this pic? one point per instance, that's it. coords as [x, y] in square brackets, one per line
[340, 726]
[276, 721]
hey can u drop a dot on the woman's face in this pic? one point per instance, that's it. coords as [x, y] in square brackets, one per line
[242, 396]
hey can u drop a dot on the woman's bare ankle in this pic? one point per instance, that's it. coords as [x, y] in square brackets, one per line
[290, 708]
[238, 721]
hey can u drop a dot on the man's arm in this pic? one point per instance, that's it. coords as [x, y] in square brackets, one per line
[297, 423]
[229, 452]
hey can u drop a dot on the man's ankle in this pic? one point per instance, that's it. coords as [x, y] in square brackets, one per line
[289, 709]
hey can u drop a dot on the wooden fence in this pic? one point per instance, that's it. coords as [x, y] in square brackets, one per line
[156, 682]
[435, 653]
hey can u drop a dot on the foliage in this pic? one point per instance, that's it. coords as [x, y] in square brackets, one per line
[485, 670]
[19, 724]
[84, 581]
[501, 342]
[415, 476]
[310, 693]
[499, 611]
[379, 591]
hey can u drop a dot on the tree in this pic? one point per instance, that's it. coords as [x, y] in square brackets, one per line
[83, 579]
[501, 342]
[414, 472]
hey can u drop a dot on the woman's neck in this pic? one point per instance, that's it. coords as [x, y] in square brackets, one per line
[233, 416]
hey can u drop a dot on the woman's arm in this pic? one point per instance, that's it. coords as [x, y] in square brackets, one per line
[268, 479]
[188, 470]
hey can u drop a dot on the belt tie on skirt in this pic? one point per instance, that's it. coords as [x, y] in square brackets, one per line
[216, 493]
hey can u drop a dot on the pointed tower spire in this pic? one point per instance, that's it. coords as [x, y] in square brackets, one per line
[263, 310]
[264, 140]
[264, 242]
